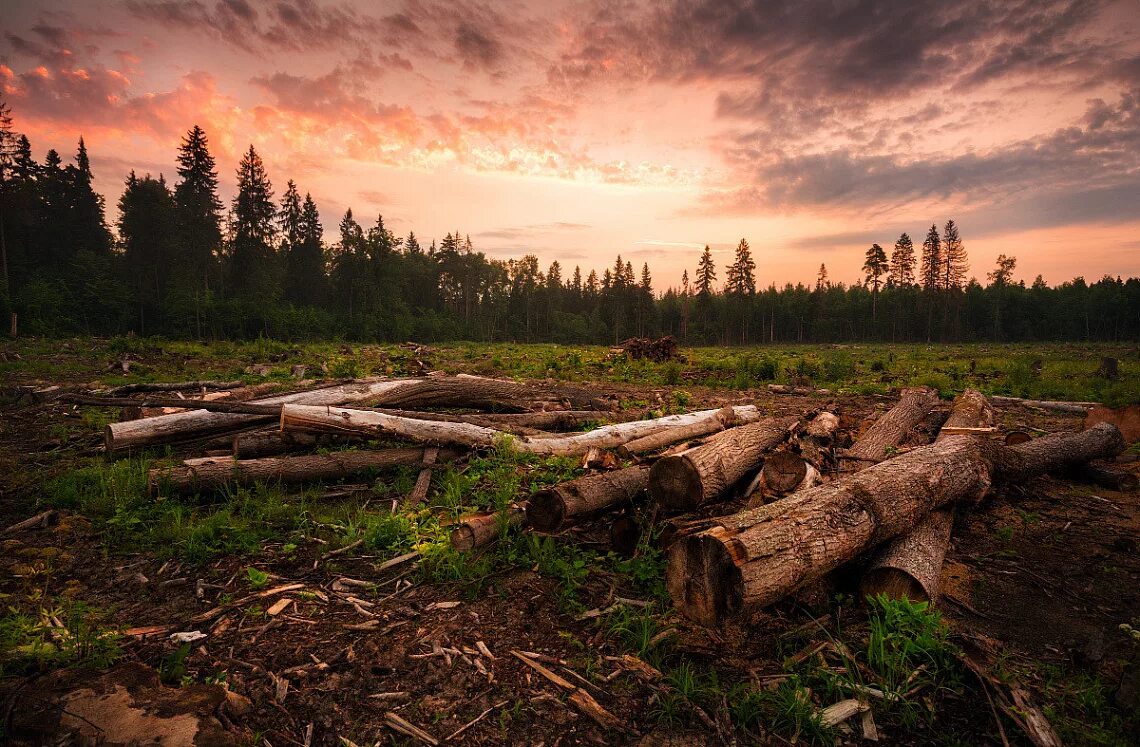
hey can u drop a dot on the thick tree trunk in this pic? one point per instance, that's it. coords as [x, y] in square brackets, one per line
[783, 472]
[184, 426]
[257, 444]
[910, 566]
[703, 474]
[211, 473]
[372, 423]
[725, 418]
[478, 530]
[755, 557]
[893, 426]
[556, 508]
[480, 392]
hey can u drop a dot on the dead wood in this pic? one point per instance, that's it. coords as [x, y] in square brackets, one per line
[892, 427]
[725, 418]
[484, 528]
[560, 506]
[171, 386]
[1076, 408]
[705, 473]
[1105, 476]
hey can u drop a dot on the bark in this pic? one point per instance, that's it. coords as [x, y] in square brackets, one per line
[173, 386]
[800, 390]
[910, 566]
[556, 508]
[480, 392]
[783, 472]
[753, 558]
[725, 418]
[478, 530]
[423, 480]
[258, 444]
[193, 424]
[893, 426]
[211, 473]
[1076, 408]
[373, 423]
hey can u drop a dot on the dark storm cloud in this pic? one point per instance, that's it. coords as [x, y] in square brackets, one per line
[476, 47]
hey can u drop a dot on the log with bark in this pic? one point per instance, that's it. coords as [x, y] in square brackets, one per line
[755, 557]
[1105, 476]
[211, 473]
[704, 474]
[560, 506]
[783, 472]
[910, 566]
[373, 423]
[803, 391]
[482, 529]
[171, 386]
[1075, 408]
[892, 427]
[725, 418]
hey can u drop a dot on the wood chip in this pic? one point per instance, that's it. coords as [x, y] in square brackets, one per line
[870, 731]
[837, 713]
[279, 606]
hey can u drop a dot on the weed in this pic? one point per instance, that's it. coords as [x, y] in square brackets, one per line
[172, 668]
[258, 579]
[908, 645]
[68, 634]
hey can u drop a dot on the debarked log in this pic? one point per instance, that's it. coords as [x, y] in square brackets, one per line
[211, 473]
[560, 506]
[705, 473]
[373, 423]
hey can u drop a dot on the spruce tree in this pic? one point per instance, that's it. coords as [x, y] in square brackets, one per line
[305, 277]
[198, 208]
[902, 263]
[706, 273]
[289, 217]
[741, 280]
[251, 253]
[953, 259]
[148, 232]
[931, 260]
[874, 268]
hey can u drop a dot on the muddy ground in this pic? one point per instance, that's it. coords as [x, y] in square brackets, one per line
[1047, 570]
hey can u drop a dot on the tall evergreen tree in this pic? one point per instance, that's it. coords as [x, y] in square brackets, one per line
[953, 259]
[148, 232]
[902, 263]
[199, 209]
[931, 260]
[251, 253]
[289, 217]
[874, 268]
[741, 280]
[305, 277]
[821, 281]
[8, 151]
[706, 273]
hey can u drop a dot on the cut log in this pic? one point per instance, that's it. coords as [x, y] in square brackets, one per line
[1105, 476]
[556, 508]
[893, 426]
[1076, 408]
[725, 418]
[1013, 438]
[783, 472]
[423, 479]
[171, 386]
[702, 475]
[910, 566]
[484, 528]
[256, 444]
[373, 423]
[823, 427]
[198, 423]
[802, 391]
[481, 392]
[755, 557]
[211, 473]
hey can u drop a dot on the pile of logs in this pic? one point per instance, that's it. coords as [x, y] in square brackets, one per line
[754, 507]
[658, 351]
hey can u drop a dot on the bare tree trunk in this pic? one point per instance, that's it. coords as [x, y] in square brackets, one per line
[556, 508]
[211, 473]
[893, 426]
[910, 566]
[703, 474]
[373, 423]
[753, 558]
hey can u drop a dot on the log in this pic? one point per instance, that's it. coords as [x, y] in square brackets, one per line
[481, 392]
[257, 444]
[802, 391]
[783, 472]
[893, 426]
[703, 474]
[211, 473]
[373, 423]
[484, 528]
[423, 479]
[823, 427]
[755, 557]
[1076, 408]
[1013, 438]
[1105, 476]
[725, 418]
[910, 566]
[561, 506]
[171, 386]
[184, 426]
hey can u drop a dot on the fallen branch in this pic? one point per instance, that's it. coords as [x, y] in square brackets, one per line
[42, 519]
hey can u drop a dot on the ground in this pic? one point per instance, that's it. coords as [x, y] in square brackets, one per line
[1046, 572]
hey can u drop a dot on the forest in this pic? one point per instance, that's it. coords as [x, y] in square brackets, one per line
[180, 263]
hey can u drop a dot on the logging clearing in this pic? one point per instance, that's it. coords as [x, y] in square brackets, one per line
[415, 539]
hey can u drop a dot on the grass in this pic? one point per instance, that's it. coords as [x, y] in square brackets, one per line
[68, 633]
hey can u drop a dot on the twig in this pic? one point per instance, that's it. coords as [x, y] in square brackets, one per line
[473, 721]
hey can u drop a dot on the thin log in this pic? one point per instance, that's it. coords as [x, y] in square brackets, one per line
[893, 426]
[725, 418]
[1075, 408]
[755, 557]
[561, 506]
[703, 474]
[201, 422]
[423, 479]
[373, 423]
[1105, 476]
[211, 473]
[170, 386]
[482, 529]
[802, 391]
[910, 566]
[257, 444]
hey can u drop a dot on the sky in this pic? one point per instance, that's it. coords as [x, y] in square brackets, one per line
[577, 131]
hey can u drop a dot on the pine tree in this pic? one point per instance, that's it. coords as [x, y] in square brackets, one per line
[741, 279]
[953, 259]
[412, 244]
[874, 268]
[706, 273]
[821, 281]
[251, 253]
[198, 207]
[902, 263]
[931, 259]
[289, 217]
[646, 278]
[685, 290]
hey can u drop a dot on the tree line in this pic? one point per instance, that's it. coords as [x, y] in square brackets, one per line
[180, 263]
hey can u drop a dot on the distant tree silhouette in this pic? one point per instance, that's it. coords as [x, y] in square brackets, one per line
[902, 263]
[874, 268]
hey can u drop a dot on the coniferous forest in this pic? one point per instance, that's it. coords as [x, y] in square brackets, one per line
[180, 263]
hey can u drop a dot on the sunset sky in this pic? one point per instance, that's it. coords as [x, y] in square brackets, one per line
[580, 130]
